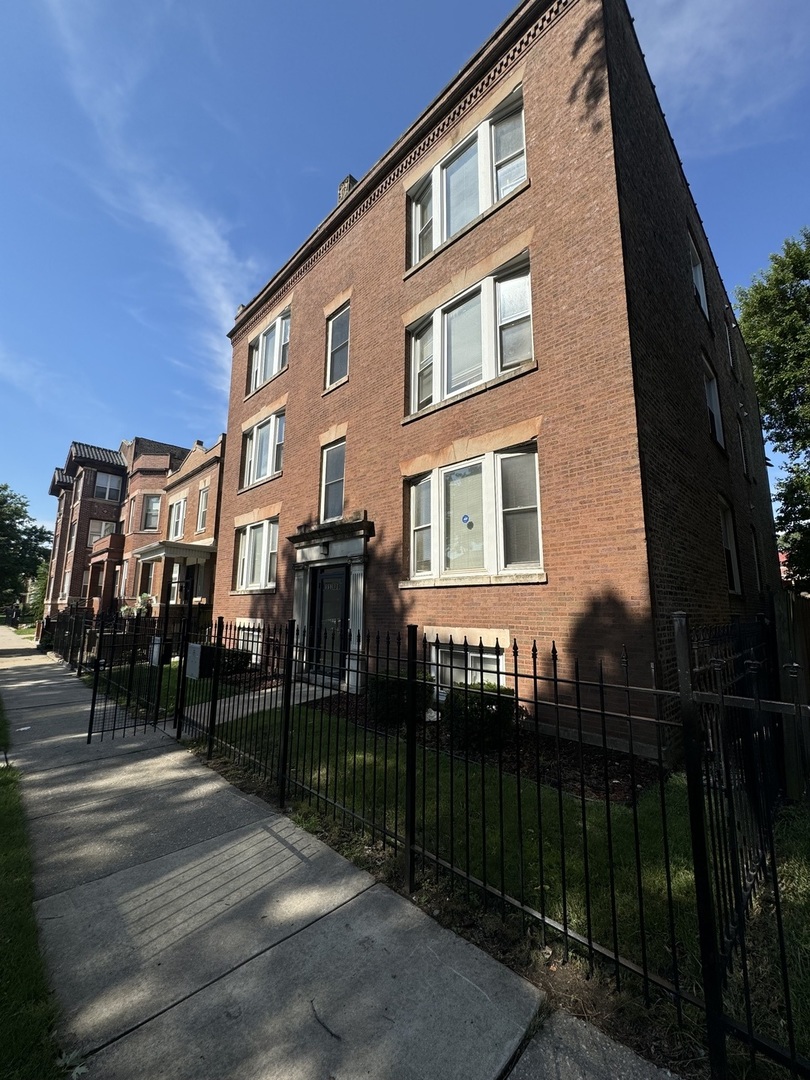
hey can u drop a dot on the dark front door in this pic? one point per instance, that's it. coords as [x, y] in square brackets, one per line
[330, 617]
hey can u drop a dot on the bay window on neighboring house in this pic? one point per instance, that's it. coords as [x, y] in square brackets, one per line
[177, 519]
[269, 352]
[333, 465]
[487, 166]
[257, 555]
[108, 487]
[151, 513]
[263, 450]
[479, 518]
[202, 509]
[97, 528]
[481, 334]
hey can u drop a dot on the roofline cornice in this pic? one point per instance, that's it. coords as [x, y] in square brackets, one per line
[510, 42]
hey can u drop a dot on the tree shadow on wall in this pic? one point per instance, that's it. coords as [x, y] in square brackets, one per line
[591, 85]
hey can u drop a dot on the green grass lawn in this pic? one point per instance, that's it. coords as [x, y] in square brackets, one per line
[27, 1009]
[469, 815]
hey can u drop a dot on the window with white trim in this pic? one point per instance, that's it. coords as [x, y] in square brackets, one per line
[713, 403]
[478, 517]
[71, 536]
[97, 528]
[85, 584]
[174, 585]
[65, 585]
[131, 523]
[151, 512]
[469, 666]
[333, 465]
[483, 170]
[123, 578]
[269, 352]
[337, 362]
[108, 487]
[177, 519]
[483, 333]
[257, 555]
[202, 509]
[730, 547]
[698, 280]
[264, 449]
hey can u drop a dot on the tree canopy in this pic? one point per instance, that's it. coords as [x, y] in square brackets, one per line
[23, 544]
[775, 322]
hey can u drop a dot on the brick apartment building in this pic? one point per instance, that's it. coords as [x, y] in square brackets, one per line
[137, 521]
[500, 390]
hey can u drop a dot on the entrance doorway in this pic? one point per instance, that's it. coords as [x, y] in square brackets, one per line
[329, 618]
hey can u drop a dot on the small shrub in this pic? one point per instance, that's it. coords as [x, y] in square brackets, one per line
[388, 699]
[482, 716]
[234, 662]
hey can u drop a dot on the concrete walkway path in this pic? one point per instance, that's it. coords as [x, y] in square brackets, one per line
[191, 932]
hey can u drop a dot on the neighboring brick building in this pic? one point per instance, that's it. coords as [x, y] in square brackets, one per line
[500, 391]
[124, 525]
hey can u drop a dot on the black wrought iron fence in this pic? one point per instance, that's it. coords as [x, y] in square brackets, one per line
[630, 824]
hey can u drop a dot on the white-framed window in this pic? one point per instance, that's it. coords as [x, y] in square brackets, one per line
[77, 490]
[478, 517]
[131, 521]
[107, 487]
[698, 279]
[151, 512]
[147, 577]
[123, 578]
[483, 170]
[97, 529]
[269, 352]
[333, 466]
[480, 334]
[469, 666]
[177, 519]
[257, 555]
[174, 586]
[743, 450]
[264, 449]
[85, 584]
[250, 637]
[337, 349]
[71, 536]
[730, 547]
[713, 403]
[202, 508]
[65, 585]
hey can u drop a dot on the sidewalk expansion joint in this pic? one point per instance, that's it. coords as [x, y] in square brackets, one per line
[224, 975]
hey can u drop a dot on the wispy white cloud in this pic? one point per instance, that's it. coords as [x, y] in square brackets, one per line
[725, 70]
[106, 63]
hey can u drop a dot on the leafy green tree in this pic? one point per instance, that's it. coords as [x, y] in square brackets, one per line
[37, 608]
[23, 544]
[775, 322]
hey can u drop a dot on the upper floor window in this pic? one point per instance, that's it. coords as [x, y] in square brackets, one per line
[257, 555]
[107, 487]
[268, 353]
[202, 508]
[264, 450]
[71, 536]
[478, 517]
[151, 511]
[475, 337]
[337, 362]
[697, 276]
[730, 547]
[333, 465]
[97, 529]
[177, 519]
[713, 403]
[483, 170]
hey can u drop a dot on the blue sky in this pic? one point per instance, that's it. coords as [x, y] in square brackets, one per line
[160, 160]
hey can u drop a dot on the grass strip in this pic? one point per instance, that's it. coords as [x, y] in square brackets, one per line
[28, 1010]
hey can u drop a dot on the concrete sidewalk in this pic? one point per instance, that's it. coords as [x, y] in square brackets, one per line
[190, 931]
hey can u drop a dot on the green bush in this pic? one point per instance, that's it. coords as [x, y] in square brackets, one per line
[234, 662]
[481, 717]
[387, 697]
